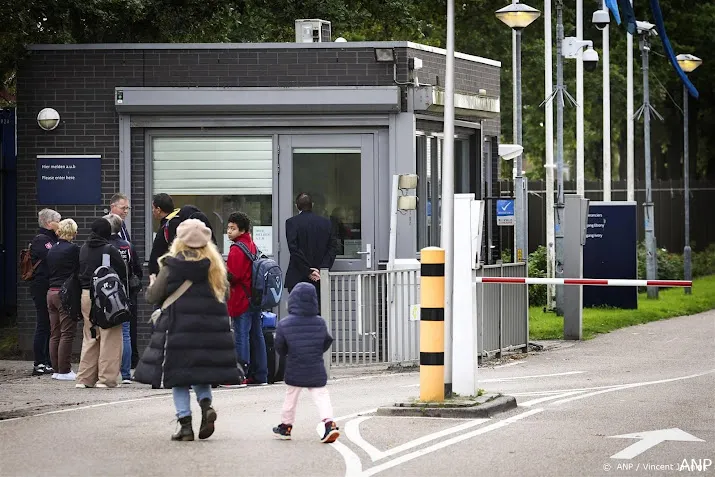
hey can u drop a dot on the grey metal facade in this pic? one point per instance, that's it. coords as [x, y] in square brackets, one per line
[79, 81]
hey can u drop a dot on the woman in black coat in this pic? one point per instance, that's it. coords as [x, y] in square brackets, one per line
[192, 343]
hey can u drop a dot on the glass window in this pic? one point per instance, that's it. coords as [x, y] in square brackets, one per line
[332, 177]
[219, 175]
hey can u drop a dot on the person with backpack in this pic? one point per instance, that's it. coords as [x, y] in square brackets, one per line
[63, 264]
[101, 347]
[162, 209]
[192, 344]
[246, 318]
[34, 269]
[302, 337]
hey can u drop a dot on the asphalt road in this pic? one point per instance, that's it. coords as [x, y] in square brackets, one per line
[572, 401]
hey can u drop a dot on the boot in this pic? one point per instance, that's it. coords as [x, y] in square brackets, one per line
[208, 417]
[185, 432]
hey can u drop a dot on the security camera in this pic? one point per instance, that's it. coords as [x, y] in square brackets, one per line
[646, 28]
[590, 59]
[601, 19]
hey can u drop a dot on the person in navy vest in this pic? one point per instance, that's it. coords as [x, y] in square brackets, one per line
[312, 245]
[46, 238]
[302, 337]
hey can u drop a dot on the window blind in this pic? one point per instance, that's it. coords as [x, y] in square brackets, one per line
[213, 165]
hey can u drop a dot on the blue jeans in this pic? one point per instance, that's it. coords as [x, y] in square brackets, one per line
[182, 399]
[250, 343]
[126, 367]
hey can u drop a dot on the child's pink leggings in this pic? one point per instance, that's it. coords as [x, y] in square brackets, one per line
[321, 397]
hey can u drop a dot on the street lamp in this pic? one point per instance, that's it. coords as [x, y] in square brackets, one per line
[646, 30]
[688, 63]
[518, 16]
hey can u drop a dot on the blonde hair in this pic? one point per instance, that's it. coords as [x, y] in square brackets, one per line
[67, 229]
[217, 269]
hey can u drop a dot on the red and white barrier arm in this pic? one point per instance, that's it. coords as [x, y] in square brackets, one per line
[585, 281]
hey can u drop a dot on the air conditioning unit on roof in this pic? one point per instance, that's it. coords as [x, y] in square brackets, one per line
[312, 31]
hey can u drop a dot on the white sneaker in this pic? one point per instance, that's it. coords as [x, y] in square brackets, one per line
[82, 386]
[104, 386]
[127, 381]
[71, 376]
[54, 375]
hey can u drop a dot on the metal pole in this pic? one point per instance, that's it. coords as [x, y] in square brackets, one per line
[580, 174]
[519, 199]
[606, 113]
[648, 209]
[688, 272]
[630, 170]
[549, 127]
[447, 235]
[559, 216]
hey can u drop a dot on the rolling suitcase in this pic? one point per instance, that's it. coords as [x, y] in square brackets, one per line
[276, 363]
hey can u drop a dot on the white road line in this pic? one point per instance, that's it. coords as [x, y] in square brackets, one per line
[441, 445]
[352, 432]
[512, 378]
[547, 398]
[355, 414]
[353, 466]
[629, 386]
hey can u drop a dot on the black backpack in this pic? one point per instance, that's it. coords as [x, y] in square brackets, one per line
[71, 297]
[110, 301]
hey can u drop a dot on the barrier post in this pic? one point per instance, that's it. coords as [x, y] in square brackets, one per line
[432, 324]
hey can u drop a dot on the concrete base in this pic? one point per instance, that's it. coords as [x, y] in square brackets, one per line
[484, 406]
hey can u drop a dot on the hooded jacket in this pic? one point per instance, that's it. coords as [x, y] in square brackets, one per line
[302, 337]
[192, 342]
[90, 258]
[241, 271]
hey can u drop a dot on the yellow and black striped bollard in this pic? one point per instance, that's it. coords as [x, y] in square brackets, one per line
[432, 325]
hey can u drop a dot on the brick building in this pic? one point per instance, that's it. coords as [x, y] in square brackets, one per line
[247, 126]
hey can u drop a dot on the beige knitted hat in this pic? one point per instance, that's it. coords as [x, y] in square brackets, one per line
[193, 233]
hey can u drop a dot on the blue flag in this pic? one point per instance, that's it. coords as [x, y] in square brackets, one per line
[629, 15]
[612, 5]
[658, 17]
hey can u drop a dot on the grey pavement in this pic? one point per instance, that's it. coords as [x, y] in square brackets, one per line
[572, 399]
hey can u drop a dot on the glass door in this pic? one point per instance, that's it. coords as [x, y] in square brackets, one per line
[338, 172]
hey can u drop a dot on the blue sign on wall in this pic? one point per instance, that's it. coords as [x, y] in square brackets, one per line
[505, 212]
[69, 180]
[610, 252]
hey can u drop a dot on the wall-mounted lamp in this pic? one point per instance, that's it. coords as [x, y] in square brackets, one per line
[414, 64]
[385, 55]
[48, 119]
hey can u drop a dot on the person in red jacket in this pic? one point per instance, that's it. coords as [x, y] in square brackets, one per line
[250, 345]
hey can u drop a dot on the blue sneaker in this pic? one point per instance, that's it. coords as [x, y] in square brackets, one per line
[283, 431]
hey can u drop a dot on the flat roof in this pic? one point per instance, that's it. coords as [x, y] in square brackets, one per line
[257, 46]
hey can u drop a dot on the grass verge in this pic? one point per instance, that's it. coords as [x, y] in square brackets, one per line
[9, 347]
[672, 302]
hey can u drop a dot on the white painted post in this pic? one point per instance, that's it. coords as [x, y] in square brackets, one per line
[464, 345]
[549, 130]
[393, 221]
[630, 141]
[580, 173]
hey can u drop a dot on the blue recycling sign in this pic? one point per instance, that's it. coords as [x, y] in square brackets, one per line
[505, 212]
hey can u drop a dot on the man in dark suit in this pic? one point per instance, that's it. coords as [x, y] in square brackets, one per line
[312, 245]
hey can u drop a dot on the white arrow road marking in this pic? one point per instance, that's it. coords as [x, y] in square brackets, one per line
[352, 432]
[441, 445]
[650, 439]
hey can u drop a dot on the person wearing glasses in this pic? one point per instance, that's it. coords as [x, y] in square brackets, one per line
[119, 205]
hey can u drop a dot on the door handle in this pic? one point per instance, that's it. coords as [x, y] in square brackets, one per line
[368, 254]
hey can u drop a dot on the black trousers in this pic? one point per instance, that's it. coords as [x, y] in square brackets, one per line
[41, 342]
[133, 331]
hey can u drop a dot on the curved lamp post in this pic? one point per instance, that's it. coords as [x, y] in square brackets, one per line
[518, 16]
[688, 63]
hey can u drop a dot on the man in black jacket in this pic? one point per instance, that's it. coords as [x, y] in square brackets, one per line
[101, 348]
[311, 243]
[41, 244]
[162, 208]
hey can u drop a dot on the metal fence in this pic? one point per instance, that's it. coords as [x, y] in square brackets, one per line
[502, 311]
[372, 316]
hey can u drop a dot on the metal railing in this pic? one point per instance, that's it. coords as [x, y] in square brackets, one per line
[502, 311]
[373, 316]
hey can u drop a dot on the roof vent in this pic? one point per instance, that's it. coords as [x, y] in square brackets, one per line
[312, 31]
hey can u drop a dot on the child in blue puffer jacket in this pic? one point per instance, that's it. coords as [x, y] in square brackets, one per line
[302, 338]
